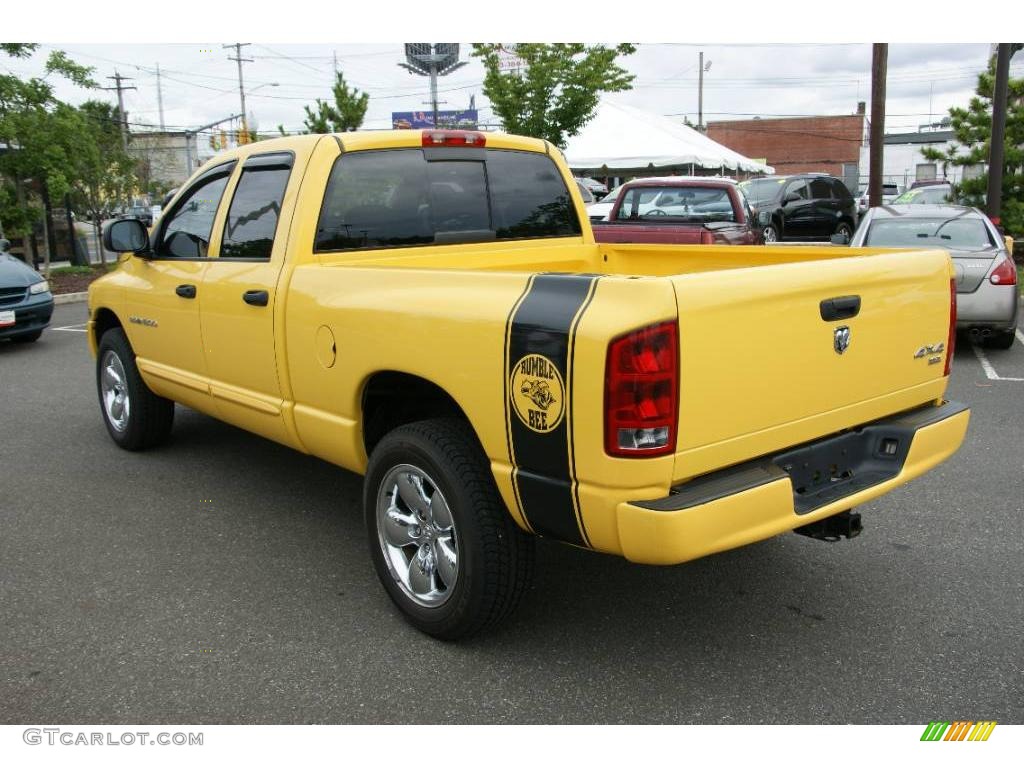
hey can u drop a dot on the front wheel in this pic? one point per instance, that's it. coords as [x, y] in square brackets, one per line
[442, 542]
[136, 418]
[771, 234]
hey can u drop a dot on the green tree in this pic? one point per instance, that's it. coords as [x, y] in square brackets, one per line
[556, 90]
[346, 113]
[40, 139]
[972, 128]
[104, 172]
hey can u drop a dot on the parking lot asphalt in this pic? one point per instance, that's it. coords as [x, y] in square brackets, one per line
[225, 579]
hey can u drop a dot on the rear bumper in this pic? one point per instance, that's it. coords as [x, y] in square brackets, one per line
[989, 306]
[792, 488]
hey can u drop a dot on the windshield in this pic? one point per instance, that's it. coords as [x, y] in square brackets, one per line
[936, 195]
[690, 204]
[612, 196]
[761, 190]
[961, 233]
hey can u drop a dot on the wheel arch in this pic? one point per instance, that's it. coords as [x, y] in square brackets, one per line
[103, 320]
[393, 398]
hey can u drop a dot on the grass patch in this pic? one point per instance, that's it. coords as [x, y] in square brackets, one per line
[79, 270]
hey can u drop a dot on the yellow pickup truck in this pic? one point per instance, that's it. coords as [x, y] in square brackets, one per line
[430, 309]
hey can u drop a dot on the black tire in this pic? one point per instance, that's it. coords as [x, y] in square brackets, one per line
[27, 338]
[150, 417]
[495, 557]
[844, 228]
[772, 233]
[1000, 340]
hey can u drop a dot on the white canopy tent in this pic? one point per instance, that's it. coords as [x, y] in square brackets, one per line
[622, 139]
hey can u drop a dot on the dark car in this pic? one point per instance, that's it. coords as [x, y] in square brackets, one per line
[25, 299]
[807, 206]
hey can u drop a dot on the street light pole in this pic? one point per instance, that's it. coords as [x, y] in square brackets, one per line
[241, 86]
[994, 197]
[879, 67]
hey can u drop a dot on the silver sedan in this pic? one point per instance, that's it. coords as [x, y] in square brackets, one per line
[986, 277]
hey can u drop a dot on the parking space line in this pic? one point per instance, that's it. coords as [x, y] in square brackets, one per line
[1019, 335]
[76, 328]
[987, 366]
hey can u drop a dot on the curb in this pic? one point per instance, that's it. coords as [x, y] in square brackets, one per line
[70, 298]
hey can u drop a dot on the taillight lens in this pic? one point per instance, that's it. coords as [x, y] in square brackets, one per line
[1004, 274]
[641, 397]
[951, 337]
[454, 139]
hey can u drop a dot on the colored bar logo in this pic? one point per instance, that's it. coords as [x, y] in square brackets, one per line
[959, 730]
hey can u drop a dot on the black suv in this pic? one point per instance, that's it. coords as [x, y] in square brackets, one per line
[805, 206]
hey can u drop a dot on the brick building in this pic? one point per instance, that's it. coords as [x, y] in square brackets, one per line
[168, 157]
[829, 143]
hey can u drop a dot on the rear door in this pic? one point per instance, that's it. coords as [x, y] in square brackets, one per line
[826, 207]
[240, 293]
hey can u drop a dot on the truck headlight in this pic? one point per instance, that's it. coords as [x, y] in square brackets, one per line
[41, 287]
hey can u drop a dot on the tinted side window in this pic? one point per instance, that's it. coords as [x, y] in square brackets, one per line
[528, 196]
[187, 234]
[396, 198]
[820, 189]
[798, 188]
[840, 192]
[252, 218]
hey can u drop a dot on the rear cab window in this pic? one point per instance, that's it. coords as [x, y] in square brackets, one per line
[692, 204]
[256, 207]
[411, 197]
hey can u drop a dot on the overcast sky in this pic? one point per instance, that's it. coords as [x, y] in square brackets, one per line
[200, 84]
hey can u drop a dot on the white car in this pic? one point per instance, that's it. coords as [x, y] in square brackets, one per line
[890, 191]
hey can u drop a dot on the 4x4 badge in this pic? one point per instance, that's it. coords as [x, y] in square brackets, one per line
[841, 339]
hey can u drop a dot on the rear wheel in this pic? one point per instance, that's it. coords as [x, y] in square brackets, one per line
[442, 542]
[1000, 340]
[136, 418]
[845, 229]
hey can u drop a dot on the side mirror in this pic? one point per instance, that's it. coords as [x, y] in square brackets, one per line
[792, 197]
[764, 218]
[841, 239]
[126, 236]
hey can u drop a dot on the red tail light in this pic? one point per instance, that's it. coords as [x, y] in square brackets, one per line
[1004, 274]
[951, 338]
[641, 396]
[454, 139]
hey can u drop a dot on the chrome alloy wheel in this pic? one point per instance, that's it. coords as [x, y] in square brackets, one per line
[417, 535]
[114, 390]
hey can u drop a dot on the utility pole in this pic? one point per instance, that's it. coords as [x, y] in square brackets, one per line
[117, 78]
[700, 94]
[879, 67]
[335, 62]
[994, 198]
[160, 97]
[241, 87]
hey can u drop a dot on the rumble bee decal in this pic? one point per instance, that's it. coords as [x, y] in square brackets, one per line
[537, 393]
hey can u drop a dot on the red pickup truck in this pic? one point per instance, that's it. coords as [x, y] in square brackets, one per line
[685, 210]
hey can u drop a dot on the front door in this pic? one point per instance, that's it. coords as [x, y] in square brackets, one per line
[798, 212]
[239, 298]
[164, 303]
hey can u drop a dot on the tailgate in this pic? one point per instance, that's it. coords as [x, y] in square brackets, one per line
[759, 366]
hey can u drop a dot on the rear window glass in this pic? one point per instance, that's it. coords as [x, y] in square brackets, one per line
[676, 204]
[949, 233]
[395, 198]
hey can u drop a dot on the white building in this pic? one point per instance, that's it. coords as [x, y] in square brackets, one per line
[904, 162]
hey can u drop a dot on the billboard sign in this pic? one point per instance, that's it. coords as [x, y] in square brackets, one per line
[448, 118]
